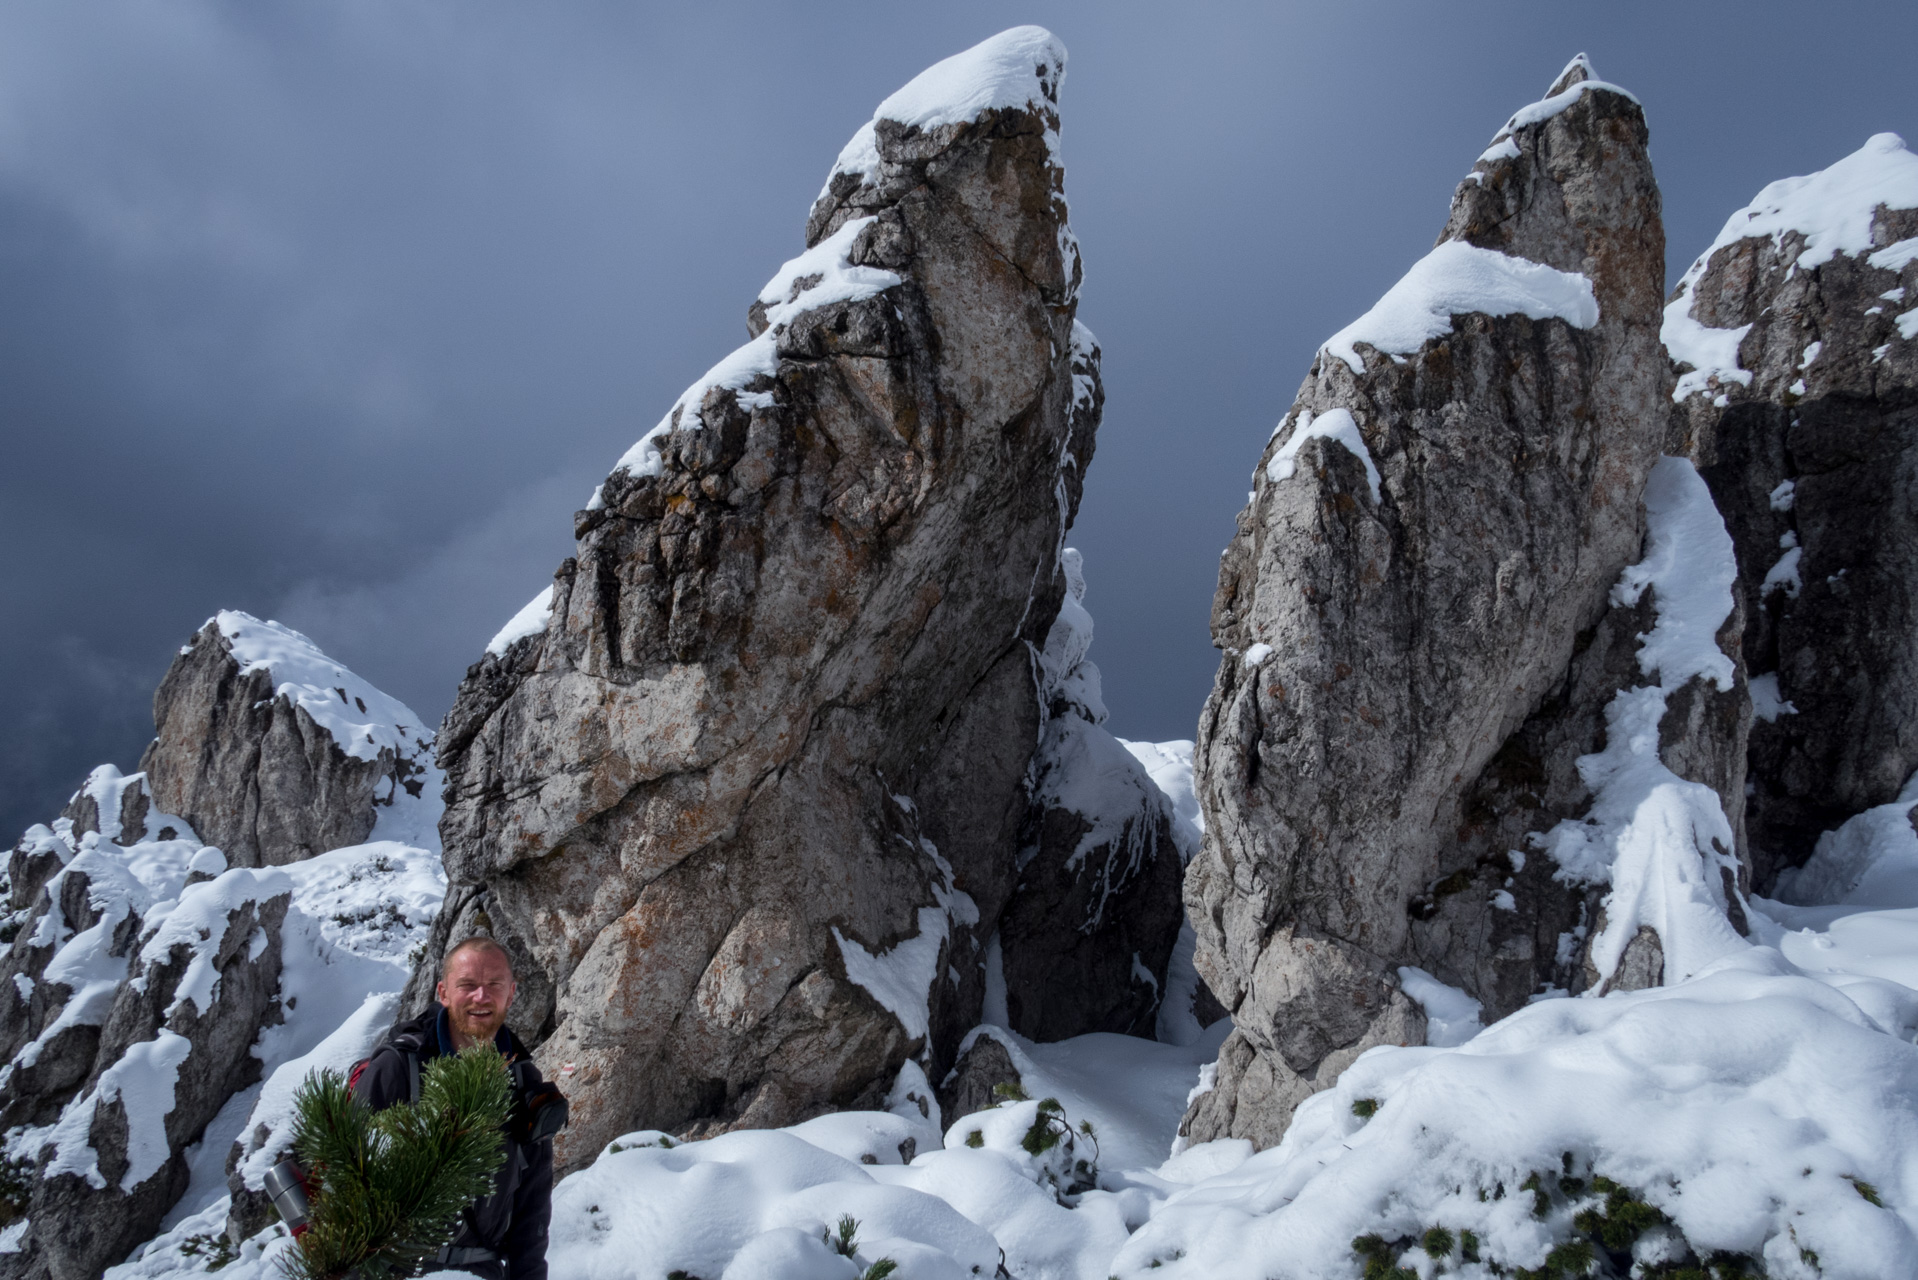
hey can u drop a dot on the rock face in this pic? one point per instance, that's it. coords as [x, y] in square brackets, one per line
[1423, 639]
[272, 751]
[745, 792]
[1794, 336]
[140, 969]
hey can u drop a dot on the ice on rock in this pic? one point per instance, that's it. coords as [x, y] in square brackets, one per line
[1457, 278]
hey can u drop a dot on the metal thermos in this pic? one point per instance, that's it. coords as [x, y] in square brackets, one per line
[286, 1187]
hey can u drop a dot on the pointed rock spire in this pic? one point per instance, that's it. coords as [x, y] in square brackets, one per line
[1413, 620]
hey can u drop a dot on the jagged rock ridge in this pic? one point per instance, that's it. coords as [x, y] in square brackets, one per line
[143, 970]
[745, 791]
[1422, 636]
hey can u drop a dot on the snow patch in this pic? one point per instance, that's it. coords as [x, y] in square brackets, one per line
[529, 621]
[1767, 703]
[1019, 69]
[142, 1081]
[1662, 843]
[363, 720]
[1458, 279]
[1334, 424]
[1832, 210]
[819, 277]
[1451, 1016]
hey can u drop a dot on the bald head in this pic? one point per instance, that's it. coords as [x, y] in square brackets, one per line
[479, 943]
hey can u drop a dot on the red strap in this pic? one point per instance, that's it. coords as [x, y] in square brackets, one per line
[359, 1069]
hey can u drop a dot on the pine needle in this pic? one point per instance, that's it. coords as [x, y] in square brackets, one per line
[387, 1189]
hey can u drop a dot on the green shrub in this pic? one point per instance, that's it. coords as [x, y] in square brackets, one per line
[387, 1189]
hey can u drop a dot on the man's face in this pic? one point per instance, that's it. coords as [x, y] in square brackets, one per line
[477, 990]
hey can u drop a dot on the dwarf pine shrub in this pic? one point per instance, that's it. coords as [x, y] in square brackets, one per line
[387, 1188]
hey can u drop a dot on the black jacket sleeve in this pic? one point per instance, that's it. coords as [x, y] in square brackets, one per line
[525, 1250]
[384, 1082]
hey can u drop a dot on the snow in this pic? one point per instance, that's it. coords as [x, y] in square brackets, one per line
[1907, 322]
[1451, 1016]
[818, 277]
[1256, 654]
[1546, 108]
[1082, 768]
[363, 720]
[529, 621]
[1660, 842]
[1334, 424]
[1014, 70]
[198, 925]
[1896, 257]
[1458, 279]
[1783, 495]
[1832, 210]
[1783, 576]
[1169, 765]
[1767, 703]
[142, 1081]
[1741, 1104]
[901, 977]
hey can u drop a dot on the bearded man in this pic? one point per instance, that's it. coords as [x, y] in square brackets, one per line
[502, 1235]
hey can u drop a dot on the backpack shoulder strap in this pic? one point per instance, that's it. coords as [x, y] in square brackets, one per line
[412, 1076]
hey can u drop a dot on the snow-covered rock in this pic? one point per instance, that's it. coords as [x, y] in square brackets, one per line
[1793, 337]
[1422, 639]
[745, 797]
[274, 752]
[149, 980]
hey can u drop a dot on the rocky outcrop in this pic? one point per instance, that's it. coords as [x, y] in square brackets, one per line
[140, 968]
[272, 751]
[1796, 341]
[744, 792]
[1085, 941]
[156, 969]
[1438, 629]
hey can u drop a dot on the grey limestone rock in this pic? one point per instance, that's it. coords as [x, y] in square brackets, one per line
[747, 808]
[251, 768]
[1418, 638]
[1805, 426]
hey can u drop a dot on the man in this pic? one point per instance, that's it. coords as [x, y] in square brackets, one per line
[502, 1236]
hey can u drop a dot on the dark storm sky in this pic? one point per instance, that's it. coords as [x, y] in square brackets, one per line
[334, 312]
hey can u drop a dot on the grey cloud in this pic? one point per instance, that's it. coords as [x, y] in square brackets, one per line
[327, 310]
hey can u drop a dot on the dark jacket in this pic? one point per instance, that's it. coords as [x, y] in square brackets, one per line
[512, 1221]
